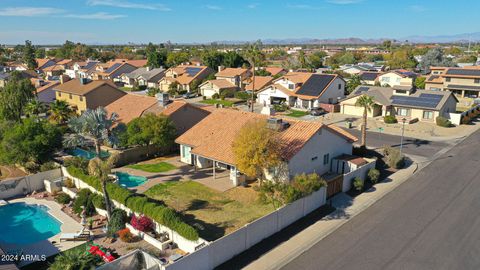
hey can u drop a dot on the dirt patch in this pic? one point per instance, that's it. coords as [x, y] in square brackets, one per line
[10, 172]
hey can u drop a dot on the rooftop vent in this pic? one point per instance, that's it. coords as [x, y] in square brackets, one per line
[277, 124]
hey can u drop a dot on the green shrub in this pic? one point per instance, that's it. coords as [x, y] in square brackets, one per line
[373, 175]
[77, 162]
[228, 93]
[280, 107]
[69, 183]
[242, 95]
[308, 183]
[31, 167]
[139, 203]
[47, 166]
[357, 184]
[389, 119]
[98, 201]
[84, 199]
[63, 198]
[394, 159]
[117, 221]
[443, 122]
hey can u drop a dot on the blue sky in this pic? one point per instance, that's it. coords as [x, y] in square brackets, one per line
[122, 21]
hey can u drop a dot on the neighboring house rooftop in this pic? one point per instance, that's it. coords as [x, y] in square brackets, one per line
[421, 99]
[274, 70]
[47, 85]
[145, 73]
[187, 73]
[434, 79]
[56, 67]
[369, 76]
[213, 136]
[462, 72]
[131, 106]
[221, 84]
[260, 82]
[77, 88]
[231, 72]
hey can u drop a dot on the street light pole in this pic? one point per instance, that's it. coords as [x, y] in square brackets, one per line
[403, 132]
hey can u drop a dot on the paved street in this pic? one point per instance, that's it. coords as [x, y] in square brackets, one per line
[411, 146]
[431, 221]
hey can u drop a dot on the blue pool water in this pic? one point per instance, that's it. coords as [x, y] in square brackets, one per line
[25, 224]
[78, 152]
[128, 180]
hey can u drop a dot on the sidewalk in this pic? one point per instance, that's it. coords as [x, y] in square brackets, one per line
[346, 208]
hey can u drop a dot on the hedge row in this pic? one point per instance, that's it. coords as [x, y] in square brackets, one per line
[140, 204]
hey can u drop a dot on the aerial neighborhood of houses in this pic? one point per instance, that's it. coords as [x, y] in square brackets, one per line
[205, 151]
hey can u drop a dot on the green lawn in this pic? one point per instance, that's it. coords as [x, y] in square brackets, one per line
[225, 103]
[295, 113]
[213, 213]
[154, 167]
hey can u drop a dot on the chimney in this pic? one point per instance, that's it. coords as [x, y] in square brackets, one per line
[162, 99]
[64, 79]
[149, 68]
[277, 124]
[83, 80]
[220, 68]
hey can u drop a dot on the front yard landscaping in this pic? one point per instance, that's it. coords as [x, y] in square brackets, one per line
[225, 103]
[213, 213]
[154, 167]
[296, 113]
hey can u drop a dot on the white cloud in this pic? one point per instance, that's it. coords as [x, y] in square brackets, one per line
[96, 16]
[344, 2]
[126, 4]
[253, 5]
[213, 7]
[417, 8]
[29, 11]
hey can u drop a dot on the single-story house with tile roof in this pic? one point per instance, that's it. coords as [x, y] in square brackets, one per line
[303, 90]
[306, 147]
[260, 83]
[212, 87]
[83, 94]
[402, 102]
[183, 114]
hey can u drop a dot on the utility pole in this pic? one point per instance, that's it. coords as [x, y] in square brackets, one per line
[253, 84]
[403, 132]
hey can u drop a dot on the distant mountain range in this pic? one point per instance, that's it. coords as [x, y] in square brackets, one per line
[459, 38]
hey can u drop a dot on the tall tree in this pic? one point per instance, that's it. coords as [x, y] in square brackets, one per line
[367, 103]
[212, 59]
[93, 126]
[353, 82]
[60, 112]
[34, 108]
[102, 169]
[151, 129]
[434, 58]
[14, 96]
[233, 60]
[255, 57]
[29, 55]
[316, 59]
[31, 140]
[256, 149]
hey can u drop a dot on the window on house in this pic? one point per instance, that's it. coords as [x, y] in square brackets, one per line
[314, 158]
[401, 91]
[447, 79]
[59, 94]
[477, 81]
[291, 86]
[386, 79]
[81, 98]
[70, 96]
[339, 86]
[427, 115]
[326, 159]
[403, 112]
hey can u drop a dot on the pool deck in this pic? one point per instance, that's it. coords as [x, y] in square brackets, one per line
[52, 245]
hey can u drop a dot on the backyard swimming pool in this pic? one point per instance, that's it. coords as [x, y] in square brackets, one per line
[79, 152]
[25, 223]
[128, 180]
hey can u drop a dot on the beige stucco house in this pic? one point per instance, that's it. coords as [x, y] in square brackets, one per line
[464, 82]
[401, 102]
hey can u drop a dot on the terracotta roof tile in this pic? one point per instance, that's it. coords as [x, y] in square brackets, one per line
[213, 136]
[260, 82]
[274, 70]
[130, 106]
[231, 72]
[222, 84]
[75, 87]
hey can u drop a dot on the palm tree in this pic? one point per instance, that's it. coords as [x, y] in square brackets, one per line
[367, 102]
[34, 108]
[74, 259]
[353, 82]
[60, 112]
[254, 56]
[101, 169]
[93, 126]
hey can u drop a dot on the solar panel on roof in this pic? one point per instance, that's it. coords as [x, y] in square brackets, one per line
[425, 101]
[315, 85]
[465, 72]
[192, 71]
[362, 89]
[89, 65]
[113, 67]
